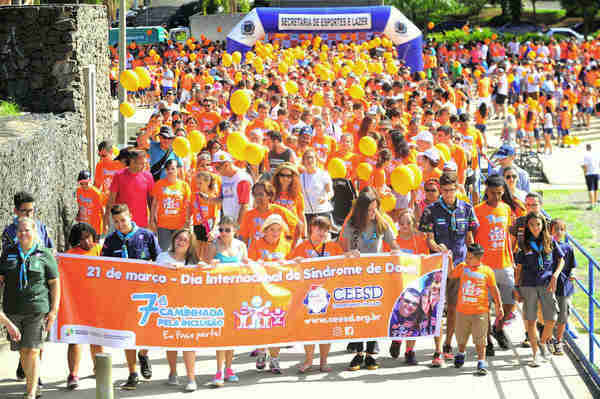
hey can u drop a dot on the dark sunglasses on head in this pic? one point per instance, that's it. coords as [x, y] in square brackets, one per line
[510, 177]
[225, 229]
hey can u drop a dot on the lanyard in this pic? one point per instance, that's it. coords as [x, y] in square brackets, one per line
[23, 281]
[452, 214]
[124, 238]
[320, 255]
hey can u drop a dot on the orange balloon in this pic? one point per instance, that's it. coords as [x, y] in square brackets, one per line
[219, 29]
[430, 25]
[149, 32]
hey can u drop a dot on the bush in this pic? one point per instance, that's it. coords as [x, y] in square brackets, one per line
[479, 35]
[8, 108]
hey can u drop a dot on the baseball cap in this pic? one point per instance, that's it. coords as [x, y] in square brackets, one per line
[504, 151]
[84, 175]
[306, 130]
[165, 131]
[274, 219]
[424, 135]
[431, 154]
[222, 156]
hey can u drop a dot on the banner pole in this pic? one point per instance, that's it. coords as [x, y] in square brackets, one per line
[104, 385]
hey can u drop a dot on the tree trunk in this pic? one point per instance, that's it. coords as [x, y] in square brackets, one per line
[534, 12]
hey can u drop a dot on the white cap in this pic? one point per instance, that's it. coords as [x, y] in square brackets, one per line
[424, 135]
[432, 153]
[222, 156]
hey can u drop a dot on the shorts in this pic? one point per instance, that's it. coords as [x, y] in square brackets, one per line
[480, 127]
[564, 132]
[32, 328]
[536, 133]
[588, 110]
[500, 99]
[531, 295]
[591, 181]
[549, 132]
[520, 134]
[564, 309]
[505, 281]
[164, 238]
[471, 324]
[452, 285]
[201, 233]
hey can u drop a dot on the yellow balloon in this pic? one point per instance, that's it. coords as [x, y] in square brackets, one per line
[444, 151]
[402, 179]
[143, 77]
[364, 171]
[417, 173]
[291, 87]
[391, 68]
[236, 57]
[567, 140]
[356, 92]
[367, 146]
[127, 110]
[240, 102]
[197, 141]
[254, 153]
[181, 147]
[575, 140]
[129, 80]
[249, 57]
[336, 168]
[227, 60]
[388, 202]
[236, 144]
[283, 68]
[318, 99]
[237, 77]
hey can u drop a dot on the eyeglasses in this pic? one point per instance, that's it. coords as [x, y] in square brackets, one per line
[511, 177]
[225, 229]
[286, 175]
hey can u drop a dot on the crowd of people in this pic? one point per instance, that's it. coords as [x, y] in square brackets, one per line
[334, 121]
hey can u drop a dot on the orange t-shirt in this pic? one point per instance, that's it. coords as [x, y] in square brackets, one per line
[414, 245]
[262, 250]
[94, 251]
[207, 120]
[307, 250]
[474, 285]
[493, 234]
[173, 201]
[106, 168]
[252, 222]
[91, 203]
[295, 205]
[323, 145]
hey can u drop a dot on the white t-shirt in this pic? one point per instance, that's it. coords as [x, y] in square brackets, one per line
[591, 161]
[548, 122]
[165, 258]
[313, 189]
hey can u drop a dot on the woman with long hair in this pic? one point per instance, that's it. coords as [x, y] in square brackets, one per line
[317, 187]
[288, 191]
[182, 254]
[539, 263]
[365, 231]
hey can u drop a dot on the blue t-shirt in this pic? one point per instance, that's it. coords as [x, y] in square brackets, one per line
[157, 153]
[535, 273]
[437, 219]
[143, 245]
[564, 285]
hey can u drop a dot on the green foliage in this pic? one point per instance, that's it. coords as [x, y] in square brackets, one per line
[516, 9]
[244, 6]
[8, 108]
[422, 12]
[478, 35]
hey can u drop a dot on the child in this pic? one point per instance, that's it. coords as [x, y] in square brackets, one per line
[564, 286]
[91, 202]
[472, 310]
[548, 130]
[204, 213]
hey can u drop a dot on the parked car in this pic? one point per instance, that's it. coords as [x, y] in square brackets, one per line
[519, 29]
[568, 32]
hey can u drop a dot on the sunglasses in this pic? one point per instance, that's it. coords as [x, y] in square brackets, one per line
[510, 177]
[413, 303]
[225, 229]
[431, 190]
[286, 175]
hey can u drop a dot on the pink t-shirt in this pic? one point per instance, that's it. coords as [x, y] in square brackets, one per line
[134, 189]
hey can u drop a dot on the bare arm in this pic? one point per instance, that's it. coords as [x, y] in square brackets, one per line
[112, 198]
[554, 278]
[54, 286]
[13, 331]
[497, 301]
[243, 210]
[470, 239]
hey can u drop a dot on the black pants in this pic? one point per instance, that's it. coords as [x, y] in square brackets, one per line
[359, 346]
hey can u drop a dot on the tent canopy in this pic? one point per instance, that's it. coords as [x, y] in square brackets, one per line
[366, 21]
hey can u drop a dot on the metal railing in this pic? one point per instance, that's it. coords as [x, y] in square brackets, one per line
[587, 360]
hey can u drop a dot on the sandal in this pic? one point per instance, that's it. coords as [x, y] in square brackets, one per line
[305, 368]
[324, 368]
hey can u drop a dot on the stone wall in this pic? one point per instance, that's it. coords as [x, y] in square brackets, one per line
[43, 50]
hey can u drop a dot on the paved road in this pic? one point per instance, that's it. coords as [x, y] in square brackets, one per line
[509, 377]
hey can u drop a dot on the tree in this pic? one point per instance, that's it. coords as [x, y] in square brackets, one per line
[516, 9]
[585, 8]
[423, 11]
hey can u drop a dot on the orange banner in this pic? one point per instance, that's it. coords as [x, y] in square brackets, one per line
[127, 303]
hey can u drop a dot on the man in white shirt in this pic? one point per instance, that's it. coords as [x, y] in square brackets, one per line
[591, 168]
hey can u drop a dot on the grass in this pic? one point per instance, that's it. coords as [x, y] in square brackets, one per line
[8, 108]
[583, 226]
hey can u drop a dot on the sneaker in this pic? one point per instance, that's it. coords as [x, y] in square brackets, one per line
[145, 366]
[410, 358]
[489, 349]
[482, 367]
[230, 376]
[512, 316]
[72, 382]
[371, 363]
[448, 352]
[550, 346]
[274, 365]
[437, 360]
[218, 380]
[526, 343]
[395, 349]
[132, 382]
[534, 362]
[500, 338]
[20, 372]
[254, 353]
[558, 351]
[40, 384]
[351, 347]
[172, 380]
[459, 360]
[191, 386]
[356, 362]
[261, 360]
[543, 352]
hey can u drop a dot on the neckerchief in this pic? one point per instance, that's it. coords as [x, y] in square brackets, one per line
[124, 238]
[451, 212]
[533, 245]
[23, 281]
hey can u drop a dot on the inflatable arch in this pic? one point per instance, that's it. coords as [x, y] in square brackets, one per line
[331, 23]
